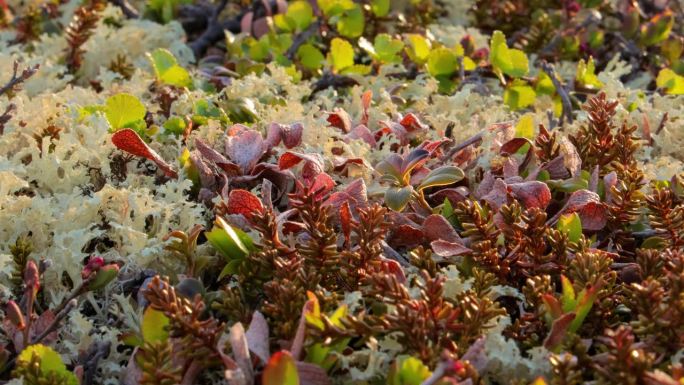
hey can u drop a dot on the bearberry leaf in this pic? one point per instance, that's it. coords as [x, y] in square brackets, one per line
[129, 141]
[442, 176]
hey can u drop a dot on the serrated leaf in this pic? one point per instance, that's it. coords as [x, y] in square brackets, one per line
[571, 224]
[50, 363]
[351, 23]
[512, 62]
[442, 61]
[310, 57]
[397, 198]
[418, 48]
[386, 48]
[153, 326]
[442, 176]
[341, 54]
[672, 83]
[124, 111]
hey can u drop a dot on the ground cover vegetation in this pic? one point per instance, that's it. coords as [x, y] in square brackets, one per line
[342, 192]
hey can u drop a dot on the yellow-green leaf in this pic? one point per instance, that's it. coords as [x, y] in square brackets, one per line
[351, 22]
[418, 48]
[380, 8]
[671, 82]
[525, 127]
[124, 111]
[154, 325]
[310, 56]
[167, 70]
[341, 54]
[571, 224]
[442, 61]
[512, 62]
[519, 95]
[586, 74]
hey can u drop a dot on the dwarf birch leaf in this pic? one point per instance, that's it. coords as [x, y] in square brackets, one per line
[442, 61]
[672, 83]
[300, 13]
[124, 110]
[50, 363]
[341, 54]
[310, 57]
[352, 22]
[167, 70]
[512, 62]
[380, 8]
[386, 48]
[418, 48]
[519, 95]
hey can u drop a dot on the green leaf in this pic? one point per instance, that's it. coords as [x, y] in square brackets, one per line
[672, 83]
[568, 299]
[380, 8]
[442, 61]
[386, 48]
[154, 325]
[571, 224]
[525, 127]
[310, 56]
[544, 85]
[512, 62]
[655, 242]
[167, 70]
[351, 23]
[418, 48]
[232, 243]
[341, 54]
[519, 95]
[408, 371]
[586, 75]
[441, 176]
[280, 370]
[175, 125]
[124, 111]
[300, 13]
[397, 198]
[585, 301]
[50, 363]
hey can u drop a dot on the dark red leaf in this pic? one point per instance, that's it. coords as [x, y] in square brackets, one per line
[361, 132]
[532, 193]
[411, 123]
[393, 267]
[437, 227]
[339, 118]
[129, 141]
[289, 134]
[216, 157]
[313, 163]
[245, 203]
[454, 195]
[498, 194]
[322, 184]
[406, 235]
[513, 145]
[587, 204]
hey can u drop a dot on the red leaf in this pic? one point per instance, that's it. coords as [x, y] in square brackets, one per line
[129, 141]
[313, 163]
[513, 145]
[366, 99]
[339, 118]
[448, 249]
[532, 193]
[290, 134]
[361, 132]
[411, 123]
[346, 220]
[245, 148]
[393, 267]
[454, 195]
[322, 184]
[437, 227]
[558, 329]
[406, 235]
[510, 169]
[589, 207]
[498, 194]
[355, 193]
[245, 203]
[216, 157]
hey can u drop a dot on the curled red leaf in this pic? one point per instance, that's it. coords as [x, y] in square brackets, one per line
[129, 141]
[531, 193]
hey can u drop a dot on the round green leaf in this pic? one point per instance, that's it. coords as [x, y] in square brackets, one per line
[50, 363]
[310, 56]
[418, 48]
[124, 110]
[351, 22]
[386, 48]
[301, 13]
[442, 61]
[519, 95]
[341, 54]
